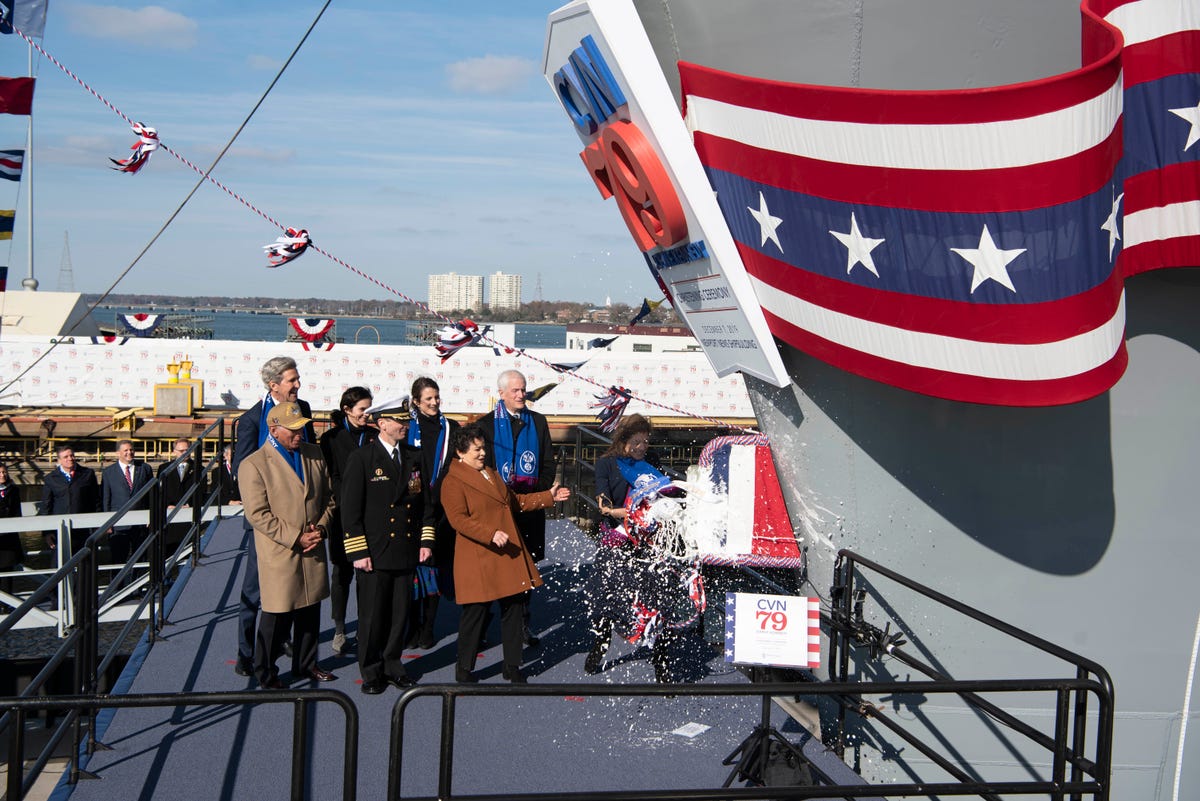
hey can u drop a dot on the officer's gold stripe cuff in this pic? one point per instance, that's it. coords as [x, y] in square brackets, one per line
[355, 544]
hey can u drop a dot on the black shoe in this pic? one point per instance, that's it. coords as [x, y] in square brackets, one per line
[316, 674]
[242, 669]
[515, 675]
[272, 683]
[426, 642]
[401, 682]
[374, 687]
[464, 676]
[531, 641]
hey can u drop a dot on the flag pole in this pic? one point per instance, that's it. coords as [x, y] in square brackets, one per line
[30, 283]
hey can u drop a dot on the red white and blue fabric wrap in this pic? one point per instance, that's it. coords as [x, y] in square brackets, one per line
[142, 149]
[454, 338]
[311, 329]
[611, 407]
[971, 244]
[287, 248]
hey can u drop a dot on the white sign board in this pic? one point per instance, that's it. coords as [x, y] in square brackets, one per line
[639, 152]
[776, 630]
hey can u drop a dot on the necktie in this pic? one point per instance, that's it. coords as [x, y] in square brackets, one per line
[129, 475]
[182, 469]
[396, 456]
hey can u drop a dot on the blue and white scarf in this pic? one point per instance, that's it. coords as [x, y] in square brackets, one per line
[291, 457]
[440, 449]
[518, 466]
[644, 480]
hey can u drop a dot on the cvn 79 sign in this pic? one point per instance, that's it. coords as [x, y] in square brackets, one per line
[620, 158]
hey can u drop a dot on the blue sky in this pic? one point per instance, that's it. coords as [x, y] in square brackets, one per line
[408, 138]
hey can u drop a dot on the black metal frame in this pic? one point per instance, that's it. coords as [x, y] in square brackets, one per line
[1057, 788]
[82, 643]
[16, 708]
[848, 630]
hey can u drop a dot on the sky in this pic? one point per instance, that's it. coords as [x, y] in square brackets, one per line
[409, 138]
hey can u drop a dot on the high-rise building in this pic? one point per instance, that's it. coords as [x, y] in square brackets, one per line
[505, 291]
[452, 291]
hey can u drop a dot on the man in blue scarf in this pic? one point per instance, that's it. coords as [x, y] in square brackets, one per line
[519, 448]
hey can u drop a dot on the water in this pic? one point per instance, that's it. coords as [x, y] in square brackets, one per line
[245, 327]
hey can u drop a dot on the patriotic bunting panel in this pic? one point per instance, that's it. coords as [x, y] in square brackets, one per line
[288, 247]
[611, 407]
[454, 338]
[142, 149]
[317, 346]
[988, 268]
[311, 329]
[141, 324]
[109, 339]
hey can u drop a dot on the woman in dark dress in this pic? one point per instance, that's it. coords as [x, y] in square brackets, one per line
[433, 433]
[12, 553]
[628, 573]
[348, 433]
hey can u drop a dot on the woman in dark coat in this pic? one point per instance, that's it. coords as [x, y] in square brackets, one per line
[491, 562]
[12, 553]
[348, 433]
[627, 569]
[433, 433]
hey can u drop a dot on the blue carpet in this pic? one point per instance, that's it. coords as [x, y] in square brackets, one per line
[553, 744]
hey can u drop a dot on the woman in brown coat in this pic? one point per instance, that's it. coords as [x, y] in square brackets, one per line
[491, 562]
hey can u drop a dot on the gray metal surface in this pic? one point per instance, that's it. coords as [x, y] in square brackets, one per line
[1076, 523]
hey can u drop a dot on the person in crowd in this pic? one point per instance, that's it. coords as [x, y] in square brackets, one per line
[70, 488]
[432, 433]
[626, 566]
[282, 380]
[518, 446]
[178, 477]
[229, 487]
[288, 499]
[384, 520]
[12, 552]
[120, 481]
[349, 432]
[491, 562]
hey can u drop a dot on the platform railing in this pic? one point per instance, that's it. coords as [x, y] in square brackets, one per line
[849, 630]
[1057, 787]
[304, 752]
[80, 600]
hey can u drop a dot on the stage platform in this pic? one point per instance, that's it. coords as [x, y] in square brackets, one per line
[504, 745]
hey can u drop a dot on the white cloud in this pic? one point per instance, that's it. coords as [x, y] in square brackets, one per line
[147, 26]
[260, 62]
[490, 74]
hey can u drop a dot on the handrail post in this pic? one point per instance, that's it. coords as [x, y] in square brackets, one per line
[1079, 742]
[1059, 769]
[16, 755]
[88, 621]
[299, 748]
[156, 556]
[198, 497]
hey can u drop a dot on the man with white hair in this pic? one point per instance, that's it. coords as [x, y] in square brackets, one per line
[519, 448]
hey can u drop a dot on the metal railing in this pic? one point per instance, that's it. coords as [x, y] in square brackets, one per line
[849, 630]
[20, 780]
[81, 600]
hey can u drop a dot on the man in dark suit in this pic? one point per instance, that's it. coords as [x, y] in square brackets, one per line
[383, 518]
[518, 446]
[177, 479]
[122, 480]
[282, 380]
[70, 488]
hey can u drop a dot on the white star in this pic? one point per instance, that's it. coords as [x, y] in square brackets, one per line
[767, 223]
[1191, 115]
[728, 652]
[1110, 225]
[858, 247]
[989, 261]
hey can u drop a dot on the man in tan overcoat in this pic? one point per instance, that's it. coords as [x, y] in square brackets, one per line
[288, 499]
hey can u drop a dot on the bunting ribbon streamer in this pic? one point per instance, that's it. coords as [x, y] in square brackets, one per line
[611, 406]
[141, 324]
[142, 150]
[454, 338]
[311, 329]
[287, 248]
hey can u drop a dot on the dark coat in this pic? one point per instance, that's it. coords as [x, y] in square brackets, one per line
[444, 536]
[337, 443]
[229, 487]
[383, 508]
[478, 508]
[115, 492]
[174, 487]
[246, 432]
[532, 523]
[12, 552]
[63, 497]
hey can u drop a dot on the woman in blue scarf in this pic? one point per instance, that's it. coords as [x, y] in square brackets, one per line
[625, 567]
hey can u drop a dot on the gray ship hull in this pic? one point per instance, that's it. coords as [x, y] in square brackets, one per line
[1076, 523]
